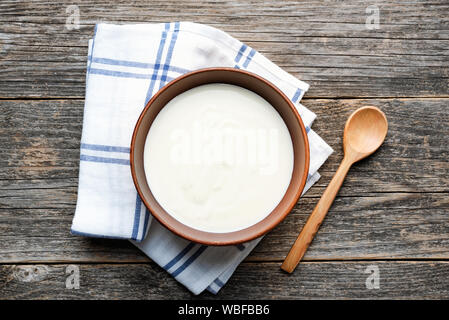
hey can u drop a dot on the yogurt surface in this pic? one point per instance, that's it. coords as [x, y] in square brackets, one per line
[218, 158]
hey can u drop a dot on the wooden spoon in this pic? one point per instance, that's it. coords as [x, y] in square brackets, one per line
[365, 130]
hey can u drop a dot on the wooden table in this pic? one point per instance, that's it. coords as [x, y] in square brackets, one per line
[391, 213]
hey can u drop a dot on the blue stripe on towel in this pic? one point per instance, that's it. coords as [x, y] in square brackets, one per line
[125, 63]
[169, 56]
[248, 58]
[219, 283]
[189, 261]
[136, 217]
[93, 235]
[177, 69]
[211, 289]
[240, 246]
[84, 157]
[295, 99]
[145, 224]
[121, 74]
[92, 49]
[296, 95]
[101, 147]
[240, 53]
[180, 255]
[134, 64]
[157, 63]
[150, 90]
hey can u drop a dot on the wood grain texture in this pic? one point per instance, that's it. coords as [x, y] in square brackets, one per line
[324, 43]
[364, 132]
[40, 144]
[392, 210]
[392, 205]
[316, 217]
[388, 226]
[325, 280]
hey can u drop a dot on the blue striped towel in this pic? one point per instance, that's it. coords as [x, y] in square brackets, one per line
[127, 64]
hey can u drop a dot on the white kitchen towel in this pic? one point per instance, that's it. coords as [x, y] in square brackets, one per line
[127, 64]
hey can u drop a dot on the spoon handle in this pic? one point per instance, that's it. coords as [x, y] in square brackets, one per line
[309, 230]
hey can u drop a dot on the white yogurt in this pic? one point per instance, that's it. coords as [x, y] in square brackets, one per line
[218, 158]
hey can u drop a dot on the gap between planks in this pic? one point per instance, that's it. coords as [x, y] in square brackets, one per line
[271, 261]
[79, 98]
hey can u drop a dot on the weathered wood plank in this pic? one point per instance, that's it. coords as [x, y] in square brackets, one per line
[346, 18]
[390, 225]
[381, 212]
[39, 177]
[394, 205]
[325, 280]
[326, 44]
[393, 225]
[43, 235]
[413, 156]
[40, 141]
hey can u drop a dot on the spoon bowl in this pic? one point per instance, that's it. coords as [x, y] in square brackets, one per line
[365, 130]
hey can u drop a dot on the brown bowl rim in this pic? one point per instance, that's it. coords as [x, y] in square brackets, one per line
[249, 236]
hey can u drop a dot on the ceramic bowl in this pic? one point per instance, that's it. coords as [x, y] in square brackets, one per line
[264, 89]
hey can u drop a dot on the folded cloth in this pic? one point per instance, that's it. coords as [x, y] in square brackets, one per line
[127, 64]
